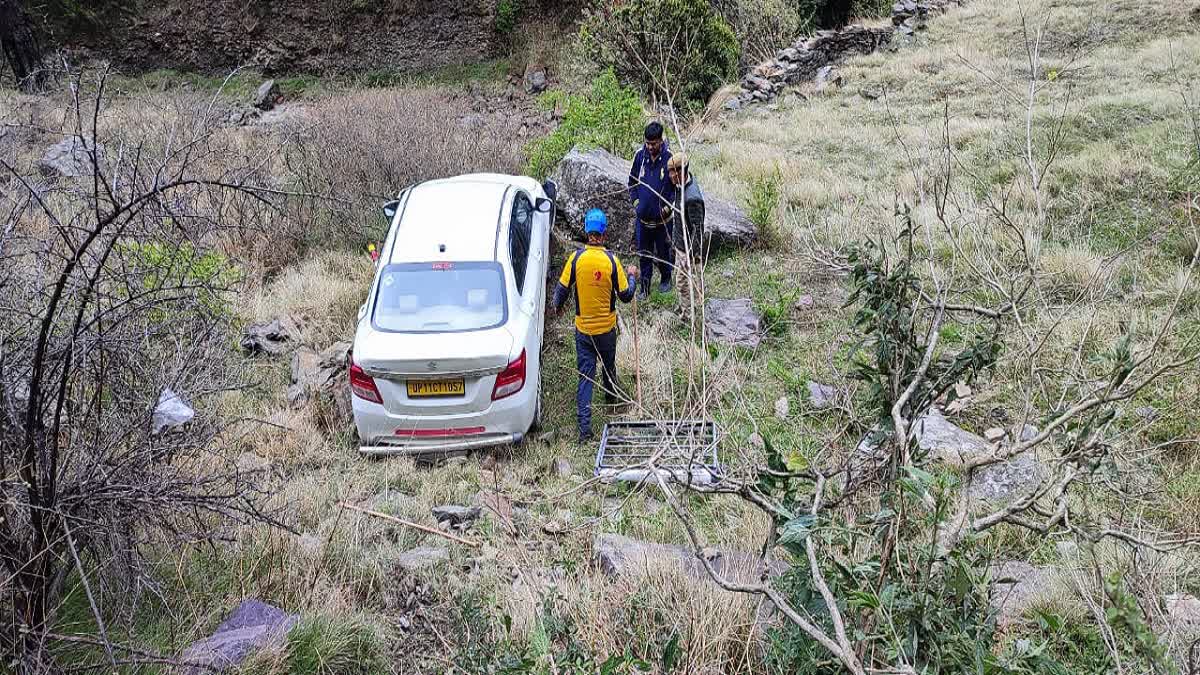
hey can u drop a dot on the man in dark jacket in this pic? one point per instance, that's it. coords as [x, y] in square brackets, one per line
[649, 189]
[687, 209]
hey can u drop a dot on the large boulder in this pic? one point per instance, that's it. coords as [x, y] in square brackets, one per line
[591, 179]
[252, 626]
[733, 322]
[71, 158]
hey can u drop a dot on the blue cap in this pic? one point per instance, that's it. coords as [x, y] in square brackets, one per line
[595, 222]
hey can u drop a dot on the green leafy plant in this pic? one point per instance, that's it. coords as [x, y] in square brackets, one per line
[762, 203]
[159, 267]
[607, 116]
[678, 49]
[508, 12]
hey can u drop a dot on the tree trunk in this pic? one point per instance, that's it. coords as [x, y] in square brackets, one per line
[19, 42]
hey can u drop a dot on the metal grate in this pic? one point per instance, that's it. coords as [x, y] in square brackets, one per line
[689, 450]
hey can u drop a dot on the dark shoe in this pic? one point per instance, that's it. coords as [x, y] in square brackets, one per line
[643, 292]
[586, 438]
[665, 287]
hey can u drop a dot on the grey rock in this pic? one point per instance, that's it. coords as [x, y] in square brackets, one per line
[617, 555]
[1146, 412]
[733, 322]
[253, 625]
[248, 462]
[71, 158]
[728, 224]
[947, 442]
[822, 396]
[598, 179]
[755, 82]
[561, 468]
[267, 95]
[788, 55]
[1028, 433]
[170, 413]
[733, 104]
[829, 77]
[308, 375]
[456, 515]
[273, 338]
[1067, 549]
[805, 303]
[421, 558]
[1017, 587]
[782, 408]
[336, 355]
[1183, 612]
[1006, 481]
[757, 441]
[535, 80]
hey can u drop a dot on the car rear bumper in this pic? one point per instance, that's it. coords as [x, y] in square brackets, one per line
[382, 433]
[439, 447]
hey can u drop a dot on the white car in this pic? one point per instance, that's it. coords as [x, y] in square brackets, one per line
[447, 355]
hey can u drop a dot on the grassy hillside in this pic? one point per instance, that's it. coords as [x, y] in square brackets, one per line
[1111, 134]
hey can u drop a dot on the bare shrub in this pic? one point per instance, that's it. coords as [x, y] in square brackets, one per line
[115, 293]
[361, 149]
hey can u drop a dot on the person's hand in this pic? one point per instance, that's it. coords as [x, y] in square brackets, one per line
[632, 272]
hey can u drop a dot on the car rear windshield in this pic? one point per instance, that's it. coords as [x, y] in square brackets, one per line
[440, 297]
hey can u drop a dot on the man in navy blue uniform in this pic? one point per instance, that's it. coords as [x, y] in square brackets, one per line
[650, 189]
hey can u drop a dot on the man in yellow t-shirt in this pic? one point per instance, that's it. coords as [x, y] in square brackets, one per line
[599, 281]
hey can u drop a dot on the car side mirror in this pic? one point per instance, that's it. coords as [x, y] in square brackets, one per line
[390, 209]
[544, 205]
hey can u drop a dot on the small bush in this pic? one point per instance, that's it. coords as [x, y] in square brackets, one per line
[507, 14]
[678, 48]
[609, 116]
[325, 645]
[762, 204]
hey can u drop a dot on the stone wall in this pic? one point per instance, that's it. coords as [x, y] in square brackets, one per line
[811, 59]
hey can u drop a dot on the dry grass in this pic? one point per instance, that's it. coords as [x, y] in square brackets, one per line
[845, 160]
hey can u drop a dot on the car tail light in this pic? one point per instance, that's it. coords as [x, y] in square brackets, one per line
[511, 379]
[363, 385]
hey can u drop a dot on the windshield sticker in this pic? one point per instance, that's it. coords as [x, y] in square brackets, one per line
[388, 280]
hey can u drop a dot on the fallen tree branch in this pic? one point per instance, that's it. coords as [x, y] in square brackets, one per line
[400, 521]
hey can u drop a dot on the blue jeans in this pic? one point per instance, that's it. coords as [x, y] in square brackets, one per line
[588, 350]
[654, 246]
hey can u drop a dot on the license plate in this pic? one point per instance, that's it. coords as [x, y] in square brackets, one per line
[436, 388]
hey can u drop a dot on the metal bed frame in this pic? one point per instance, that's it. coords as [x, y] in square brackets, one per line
[688, 447]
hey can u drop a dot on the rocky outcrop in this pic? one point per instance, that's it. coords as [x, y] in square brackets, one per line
[813, 59]
[590, 179]
[282, 37]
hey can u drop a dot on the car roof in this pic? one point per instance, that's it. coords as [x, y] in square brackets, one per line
[461, 213]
